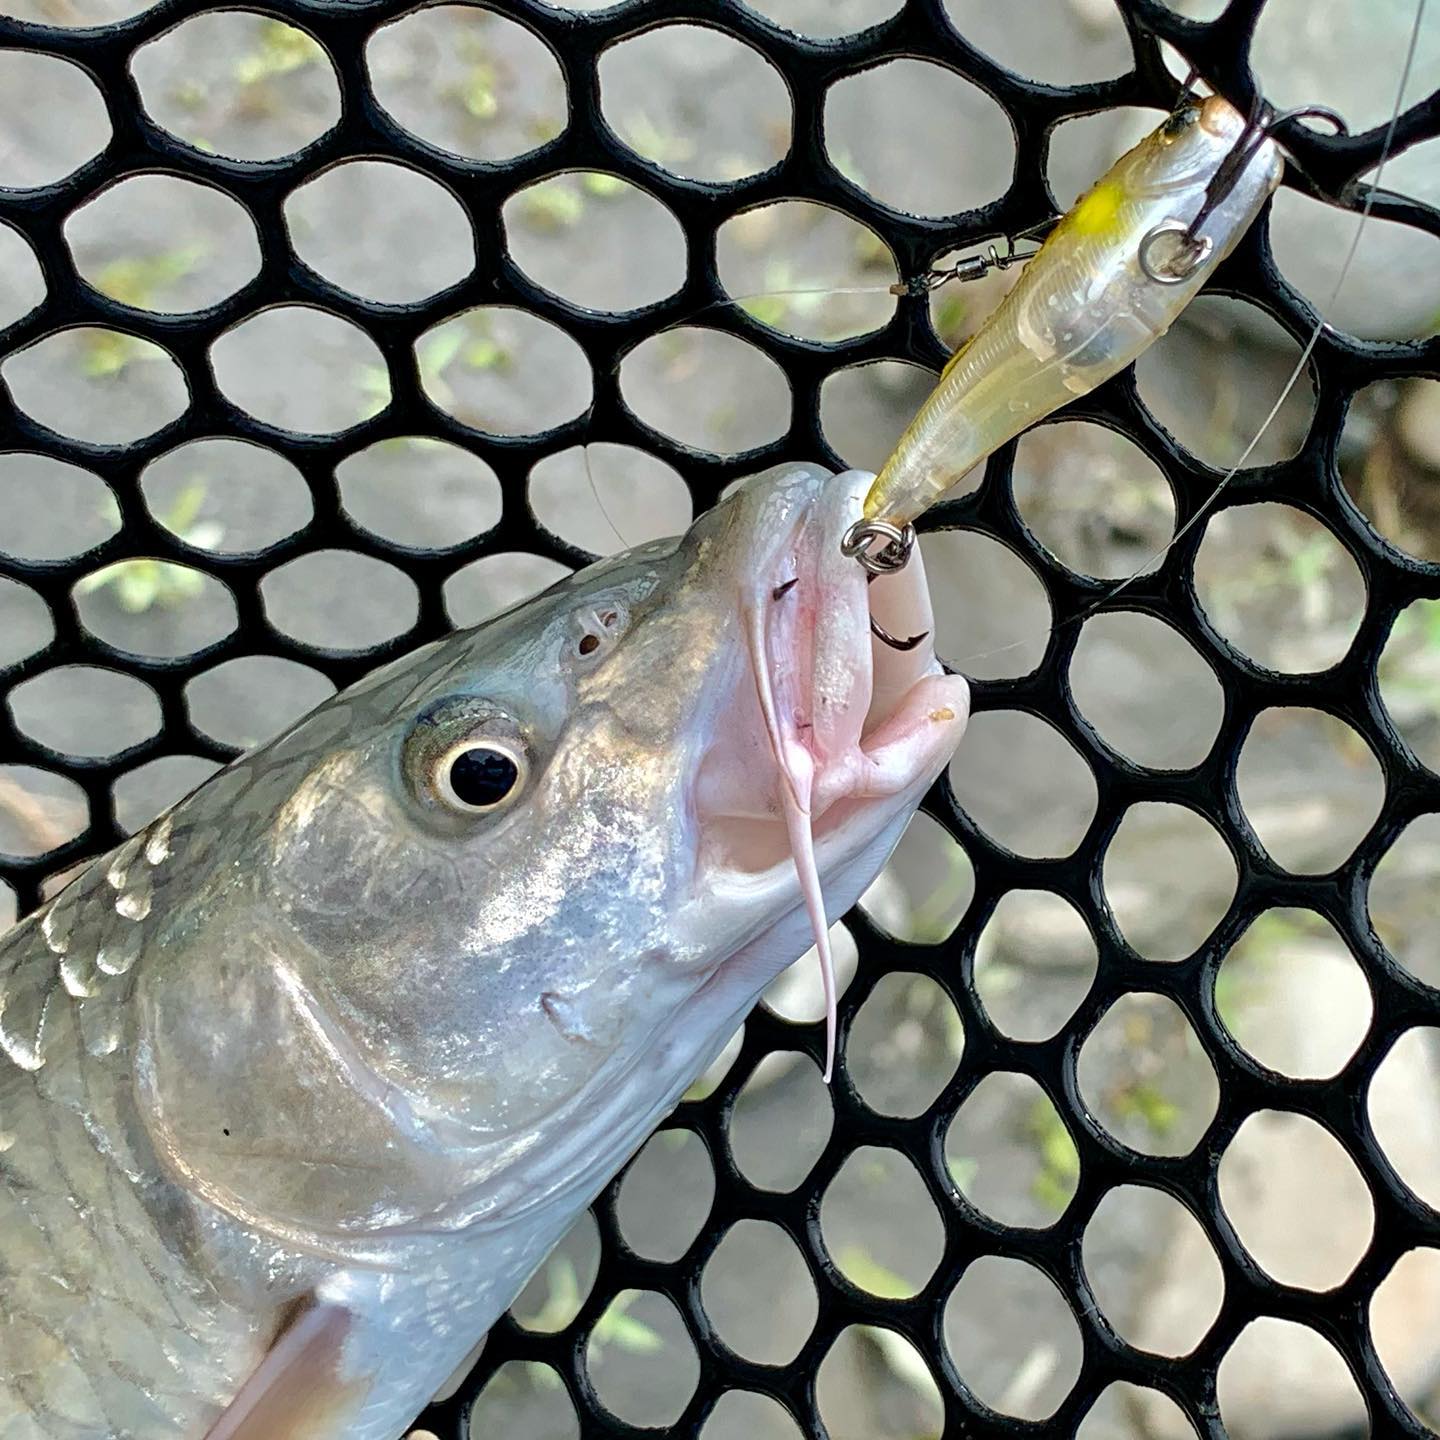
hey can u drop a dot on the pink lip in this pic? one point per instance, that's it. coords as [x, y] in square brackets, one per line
[838, 691]
[830, 728]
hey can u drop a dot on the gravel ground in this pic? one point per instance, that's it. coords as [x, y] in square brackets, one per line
[1278, 587]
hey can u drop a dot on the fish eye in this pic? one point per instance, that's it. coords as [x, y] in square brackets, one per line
[478, 776]
[463, 758]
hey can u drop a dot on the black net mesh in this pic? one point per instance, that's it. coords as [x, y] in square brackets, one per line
[1348, 689]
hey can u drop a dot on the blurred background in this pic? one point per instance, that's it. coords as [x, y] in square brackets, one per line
[1271, 580]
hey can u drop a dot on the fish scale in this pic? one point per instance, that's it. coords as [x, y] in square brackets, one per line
[78, 1196]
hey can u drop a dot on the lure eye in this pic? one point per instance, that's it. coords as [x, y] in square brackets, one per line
[478, 776]
[1179, 122]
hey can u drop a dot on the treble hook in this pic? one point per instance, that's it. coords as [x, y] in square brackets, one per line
[1300, 112]
[893, 555]
[1188, 249]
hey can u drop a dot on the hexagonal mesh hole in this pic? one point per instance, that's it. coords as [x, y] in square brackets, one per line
[1023, 1369]
[1295, 1199]
[448, 329]
[640, 1359]
[666, 1195]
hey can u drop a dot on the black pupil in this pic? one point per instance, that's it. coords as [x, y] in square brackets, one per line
[1181, 120]
[483, 776]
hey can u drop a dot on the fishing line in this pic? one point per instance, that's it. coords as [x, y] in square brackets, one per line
[595, 491]
[1290, 383]
[957, 272]
[823, 291]
[1320, 323]
[813, 290]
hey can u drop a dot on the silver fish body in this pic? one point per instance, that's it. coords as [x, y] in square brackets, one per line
[298, 1086]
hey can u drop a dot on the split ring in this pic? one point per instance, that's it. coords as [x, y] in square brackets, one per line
[893, 555]
[1182, 262]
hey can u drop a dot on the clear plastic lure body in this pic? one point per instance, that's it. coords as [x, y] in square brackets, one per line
[1108, 282]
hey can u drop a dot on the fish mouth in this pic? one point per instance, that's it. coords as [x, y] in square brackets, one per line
[833, 728]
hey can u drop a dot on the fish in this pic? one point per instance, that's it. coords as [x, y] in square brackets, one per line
[1085, 305]
[301, 1083]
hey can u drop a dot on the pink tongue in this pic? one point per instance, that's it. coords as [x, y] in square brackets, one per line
[797, 770]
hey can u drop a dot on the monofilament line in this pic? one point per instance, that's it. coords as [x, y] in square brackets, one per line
[1290, 383]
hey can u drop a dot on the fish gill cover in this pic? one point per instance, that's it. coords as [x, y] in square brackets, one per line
[312, 90]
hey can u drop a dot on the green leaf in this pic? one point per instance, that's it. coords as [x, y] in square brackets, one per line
[642, 134]
[189, 95]
[869, 1274]
[601, 185]
[485, 354]
[951, 313]
[1231, 995]
[186, 509]
[179, 582]
[767, 309]
[963, 1170]
[1050, 1192]
[902, 1360]
[142, 584]
[1144, 1102]
[436, 352]
[617, 1328]
[872, 252]
[135, 280]
[477, 93]
[551, 205]
[137, 585]
[108, 352]
[1429, 615]
[282, 50]
[562, 1301]
[205, 535]
[934, 919]
[846, 164]
[1059, 1159]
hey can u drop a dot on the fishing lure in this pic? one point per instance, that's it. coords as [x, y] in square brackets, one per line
[1108, 282]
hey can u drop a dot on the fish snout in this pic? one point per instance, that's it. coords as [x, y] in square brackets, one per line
[825, 709]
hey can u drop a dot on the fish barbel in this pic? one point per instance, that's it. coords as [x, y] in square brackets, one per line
[1084, 306]
[299, 1085]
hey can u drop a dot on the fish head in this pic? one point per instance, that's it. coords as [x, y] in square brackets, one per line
[532, 876]
[578, 818]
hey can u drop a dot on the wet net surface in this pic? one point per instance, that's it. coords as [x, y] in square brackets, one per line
[1349, 689]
